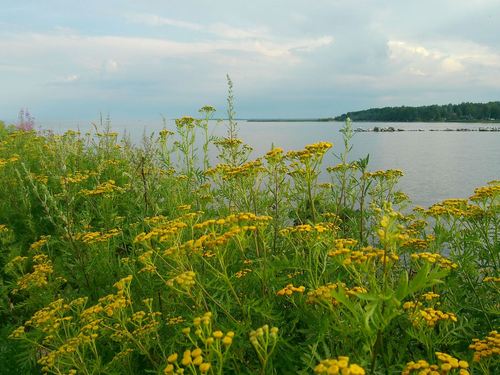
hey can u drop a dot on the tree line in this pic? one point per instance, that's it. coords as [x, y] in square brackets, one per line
[448, 112]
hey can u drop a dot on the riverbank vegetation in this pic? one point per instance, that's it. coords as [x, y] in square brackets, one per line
[464, 112]
[125, 259]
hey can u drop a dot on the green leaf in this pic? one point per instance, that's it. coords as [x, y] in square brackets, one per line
[402, 290]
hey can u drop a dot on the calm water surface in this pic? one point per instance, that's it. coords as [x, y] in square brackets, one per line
[437, 164]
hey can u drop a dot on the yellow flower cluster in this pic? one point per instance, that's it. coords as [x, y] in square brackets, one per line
[144, 324]
[39, 277]
[319, 148]
[18, 332]
[185, 121]
[12, 159]
[326, 186]
[429, 296]
[247, 169]
[175, 320]
[77, 177]
[387, 174]
[203, 325]
[96, 237]
[159, 219]
[341, 167]
[310, 151]
[113, 302]
[340, 365]
[488, 347]
[260, 332]
[146, 259]
[274, 155]
[3, 228]
[454, 207]
[417, 225]
[216, 343]
[49, 318]
[112, 162]
[43, 179]
[231, 226]
[435, 258]
[122, 355]
[242, 273]
[411, 305]
[490, 191]
[71, 133]
[427, 316]
[362, 256]
[430, 317]
[228, 142]
[343, 246]
[16, 262]
[416, 243]
[162, 233]
[448, 365]
[71, 345]
[108, 134]
[193, 245]
[212, 241]
[164, 133]
[105, 188]
[309, 229]
[185, 280]
[491, 279]
[238, 219]
[290, 289]
[189, 359]
[35, 246]
[400, 196]
[293, 274]
[324, 296]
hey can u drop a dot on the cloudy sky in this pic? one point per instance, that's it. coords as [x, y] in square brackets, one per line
[71, 60]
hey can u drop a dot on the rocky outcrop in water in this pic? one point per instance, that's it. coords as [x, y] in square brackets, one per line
[391, 129]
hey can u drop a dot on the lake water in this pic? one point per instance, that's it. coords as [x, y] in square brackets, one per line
[437, 164]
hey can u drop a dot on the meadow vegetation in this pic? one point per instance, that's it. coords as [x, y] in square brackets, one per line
[124, 259]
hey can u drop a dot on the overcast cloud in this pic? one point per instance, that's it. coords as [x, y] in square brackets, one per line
[287, 58]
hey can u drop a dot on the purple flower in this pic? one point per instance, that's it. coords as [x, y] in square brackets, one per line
[26, 122]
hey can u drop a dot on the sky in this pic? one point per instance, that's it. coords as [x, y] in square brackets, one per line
[131, 59]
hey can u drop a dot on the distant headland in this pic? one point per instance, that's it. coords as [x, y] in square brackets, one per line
[464, 112]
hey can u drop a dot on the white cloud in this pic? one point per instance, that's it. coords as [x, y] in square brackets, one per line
[93, 51]
[403, 50]
[416, 71]
[229, 32]
[452, 65]
[218, 29]
[444, 57]
[154, 20]
[158, 53]
[110, 66]
[71, 78]
[263, 40]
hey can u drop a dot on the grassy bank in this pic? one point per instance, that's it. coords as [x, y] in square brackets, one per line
[123, 259]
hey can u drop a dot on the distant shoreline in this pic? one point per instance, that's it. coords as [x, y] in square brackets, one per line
[379, 121]
[464, 112]
[291, 120]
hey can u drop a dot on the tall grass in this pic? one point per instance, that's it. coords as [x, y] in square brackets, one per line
[124, 259]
